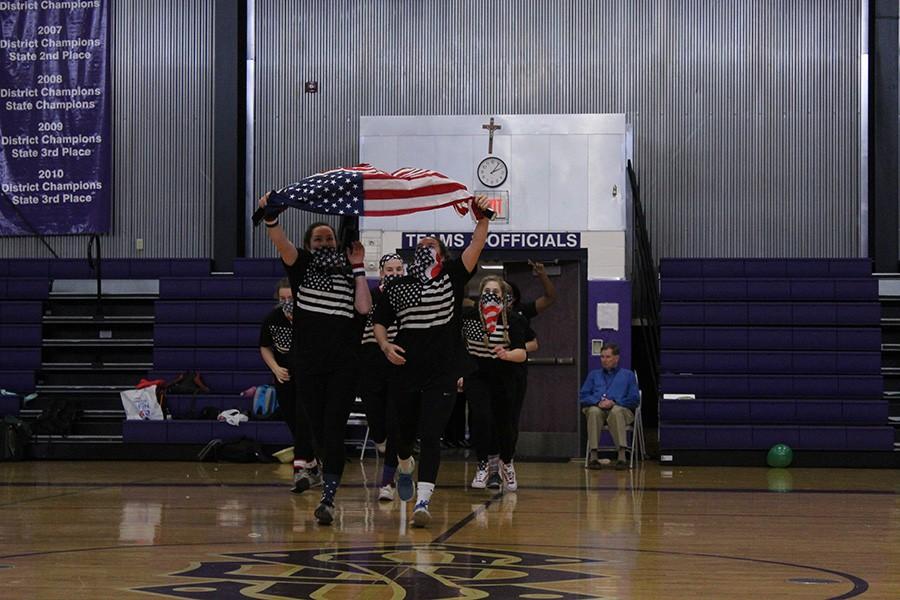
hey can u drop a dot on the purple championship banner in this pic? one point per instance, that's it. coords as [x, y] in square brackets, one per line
[54, 117]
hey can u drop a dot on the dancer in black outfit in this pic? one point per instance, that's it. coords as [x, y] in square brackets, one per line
[495, 337]
[526, 310]
[276, 337]
[375, 381]
[429, 352]
[330, 290]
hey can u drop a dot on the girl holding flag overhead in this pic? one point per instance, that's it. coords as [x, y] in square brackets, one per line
[495, 338]
[426, 306]
[329, 292]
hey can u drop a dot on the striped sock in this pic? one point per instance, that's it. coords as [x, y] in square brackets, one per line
[330, 485]
[387, 475]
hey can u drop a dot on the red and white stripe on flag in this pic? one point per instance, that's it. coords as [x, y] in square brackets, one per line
[408, 190]
[490, 312]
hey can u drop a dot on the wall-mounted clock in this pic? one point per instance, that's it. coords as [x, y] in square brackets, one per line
[492, 171]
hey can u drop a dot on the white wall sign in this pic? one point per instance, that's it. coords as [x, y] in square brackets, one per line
[562, 169]
[559, 173]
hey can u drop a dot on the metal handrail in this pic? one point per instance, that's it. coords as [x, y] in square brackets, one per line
[96, 266]
[647, 280]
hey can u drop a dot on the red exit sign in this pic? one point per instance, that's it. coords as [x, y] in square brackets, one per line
[499, 203]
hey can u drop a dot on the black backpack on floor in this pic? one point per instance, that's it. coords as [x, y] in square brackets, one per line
[14, 435]
[56, 419]
[243, 450]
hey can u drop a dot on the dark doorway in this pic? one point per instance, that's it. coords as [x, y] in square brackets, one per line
[550, 421]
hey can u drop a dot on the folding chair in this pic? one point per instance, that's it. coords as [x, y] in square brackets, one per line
[637, 437]
[359, 419]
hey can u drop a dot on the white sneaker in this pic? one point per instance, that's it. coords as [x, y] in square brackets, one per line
[421, 514]
[386, 494]
[479, 482]
[305, 478]
[508, 475]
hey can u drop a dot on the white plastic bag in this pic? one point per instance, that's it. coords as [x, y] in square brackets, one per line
[233, 416]
[141, 405]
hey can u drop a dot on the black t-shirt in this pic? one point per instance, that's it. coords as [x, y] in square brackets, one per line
[526, 310]
[376, 368]
[277, 333]
[368, 336]
[512, 336]
[327, 328]
[428, 317]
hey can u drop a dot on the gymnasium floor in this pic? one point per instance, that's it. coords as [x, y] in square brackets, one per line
[192, 530]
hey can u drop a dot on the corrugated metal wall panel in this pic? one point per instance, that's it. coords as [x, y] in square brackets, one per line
[745, 114]
[162, 110]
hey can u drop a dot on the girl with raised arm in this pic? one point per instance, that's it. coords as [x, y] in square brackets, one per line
[426, 306]
[329, 292]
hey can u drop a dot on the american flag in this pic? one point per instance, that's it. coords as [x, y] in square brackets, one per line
[491, 305]
[364, 190]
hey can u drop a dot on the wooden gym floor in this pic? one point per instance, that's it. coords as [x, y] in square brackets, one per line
[191, 530]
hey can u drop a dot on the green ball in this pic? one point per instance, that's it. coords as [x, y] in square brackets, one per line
[780, 456]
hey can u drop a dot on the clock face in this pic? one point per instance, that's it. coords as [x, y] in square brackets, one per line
[492, 171]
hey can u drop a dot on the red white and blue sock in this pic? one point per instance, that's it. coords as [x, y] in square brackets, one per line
[330, 485]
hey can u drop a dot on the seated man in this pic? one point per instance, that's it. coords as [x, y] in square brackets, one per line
[609, 395]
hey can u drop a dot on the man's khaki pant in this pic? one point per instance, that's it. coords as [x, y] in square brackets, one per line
[618, 418]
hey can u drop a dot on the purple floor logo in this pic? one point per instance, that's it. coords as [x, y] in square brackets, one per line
[426, 571]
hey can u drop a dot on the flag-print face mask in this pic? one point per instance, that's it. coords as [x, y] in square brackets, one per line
[491, 305]
[287, 307]
[426, 265]
[326, 262]
[389, 278]
[327, 259]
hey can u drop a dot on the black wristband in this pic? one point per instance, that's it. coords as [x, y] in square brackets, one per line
[273, 224]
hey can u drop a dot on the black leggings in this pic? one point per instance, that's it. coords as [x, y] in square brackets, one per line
[327, 398]
[380, 414]
[296, 419]
[423, 412]
[456, 424]
[521, 388]
[492, 402]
